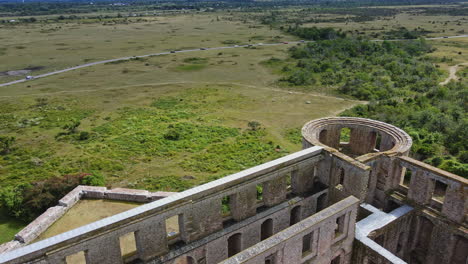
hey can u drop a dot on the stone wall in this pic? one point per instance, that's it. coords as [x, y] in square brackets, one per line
[442, 192]
[45, 220]
[198, 211]
[436, 233]
[320, 238]
[214, 248]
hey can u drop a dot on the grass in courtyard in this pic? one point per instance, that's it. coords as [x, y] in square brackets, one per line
[79, 215]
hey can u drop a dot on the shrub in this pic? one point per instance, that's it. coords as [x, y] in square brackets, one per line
[84, 135]
[6, 143]
[172, 134]
[94, 179]
[254, 125]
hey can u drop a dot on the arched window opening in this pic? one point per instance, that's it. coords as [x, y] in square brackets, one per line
[323, 136]
[266, 229]
[295, 215]
[336, 260]
[234, 244]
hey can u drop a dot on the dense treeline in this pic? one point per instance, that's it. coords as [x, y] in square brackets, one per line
[402, 86]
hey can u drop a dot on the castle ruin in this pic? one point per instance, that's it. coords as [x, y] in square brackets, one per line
[362, 201]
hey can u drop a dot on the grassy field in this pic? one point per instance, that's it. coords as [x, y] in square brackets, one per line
[442, 25]
[217, 90]
[58, 45]
[213, 108]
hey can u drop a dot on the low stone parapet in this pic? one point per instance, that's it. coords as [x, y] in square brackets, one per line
[45, 220]
[9, 246]
[40, 224]
[130, 195]
[93, 192]
[72, 197]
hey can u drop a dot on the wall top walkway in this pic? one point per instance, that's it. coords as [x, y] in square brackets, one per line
[196, 193]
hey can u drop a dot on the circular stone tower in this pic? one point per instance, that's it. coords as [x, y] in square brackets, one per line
[359, 138]
[368, 143]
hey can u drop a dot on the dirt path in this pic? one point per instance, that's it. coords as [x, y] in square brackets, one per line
[453, 73]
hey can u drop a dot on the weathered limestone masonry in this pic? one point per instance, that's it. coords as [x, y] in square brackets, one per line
[436, 232]
[44, 221]
[409, 211]
[325, 239]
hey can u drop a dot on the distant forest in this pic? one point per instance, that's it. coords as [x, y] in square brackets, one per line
[51, 7]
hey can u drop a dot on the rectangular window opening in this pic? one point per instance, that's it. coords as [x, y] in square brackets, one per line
[307, 244]
[440, 189]
[77, 258]
[259, 188]
[225, 206]
[345, 134]
[128, 245]
[406, 177]
[340, 179]
[339, 227]
[173, 226]
[378, 142]
[289, 177]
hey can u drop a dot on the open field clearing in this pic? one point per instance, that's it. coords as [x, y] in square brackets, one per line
[232, 65]
[53, 46]
[450, 52]
[436, 26]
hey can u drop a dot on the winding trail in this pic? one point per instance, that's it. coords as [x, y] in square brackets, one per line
[180, 51]
[453, 73]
